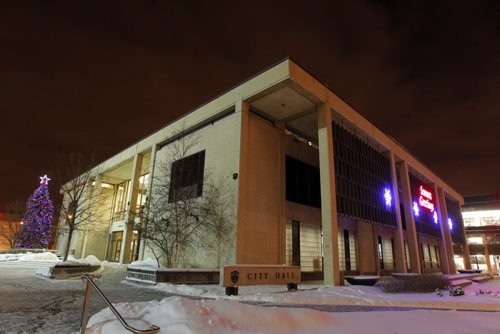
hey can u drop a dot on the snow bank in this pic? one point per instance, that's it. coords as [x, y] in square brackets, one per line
[10, 257]
[91, 260]
[46, 256]
[147, 263]
[184, 316]
[478, 296]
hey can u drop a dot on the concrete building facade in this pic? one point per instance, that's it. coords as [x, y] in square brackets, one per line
[482, 226]
[314, 184]
[10, 225]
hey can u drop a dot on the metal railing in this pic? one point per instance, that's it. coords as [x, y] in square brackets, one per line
[86, 278]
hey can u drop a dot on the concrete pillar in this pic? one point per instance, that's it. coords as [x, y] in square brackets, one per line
[282, 194]
[399, 248]
[367, 249]
[131, 208]
[243, 109]
[411, 231]
[329, 218]
[465, 249]
[375, 257]
[152, 161]
[486, 253]
[92, 190]
[446, 243]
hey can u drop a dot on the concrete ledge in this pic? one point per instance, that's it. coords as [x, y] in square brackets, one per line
[178, 276]
[362, 279]
[480, 279]
[64, 271]
[469, 271]
[461, 283]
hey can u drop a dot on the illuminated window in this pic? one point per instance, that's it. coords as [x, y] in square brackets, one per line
[475, 240]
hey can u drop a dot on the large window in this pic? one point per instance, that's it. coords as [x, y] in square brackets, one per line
[186, 177]
[363, 179]
[120, 201]
[302, 183]
[303, 246]
[142, 192]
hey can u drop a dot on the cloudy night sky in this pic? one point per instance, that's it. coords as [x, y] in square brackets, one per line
[89, 76]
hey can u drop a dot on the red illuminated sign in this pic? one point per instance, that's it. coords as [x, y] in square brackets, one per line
[425, 199]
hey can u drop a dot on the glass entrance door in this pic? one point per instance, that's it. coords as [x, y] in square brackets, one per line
[116, 246]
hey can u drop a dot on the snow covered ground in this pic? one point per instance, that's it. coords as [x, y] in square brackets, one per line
[26, 257]
[32, 304]
[275, 310]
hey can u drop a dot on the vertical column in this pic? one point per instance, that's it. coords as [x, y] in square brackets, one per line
[486, 253]
[465, 249]
[446, 243]
[399, 248]
[152, 161]
[131, 212]
[329, 218]
[282, 194]
[411, 231]
[92, 190]
[243, 109]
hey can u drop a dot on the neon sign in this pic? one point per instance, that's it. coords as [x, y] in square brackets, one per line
[435, 217]
[450, 224]
[416, 210]
[425, 199]
[387, 197]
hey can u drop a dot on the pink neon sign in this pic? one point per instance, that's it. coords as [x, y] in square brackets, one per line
[425, 199]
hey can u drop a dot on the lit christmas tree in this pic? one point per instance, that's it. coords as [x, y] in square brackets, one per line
[37, 220]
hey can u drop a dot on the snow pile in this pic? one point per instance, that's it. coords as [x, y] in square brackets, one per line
[10, 257]
[90, 260]
[249, 293]
[198, 290]
[46, 257]
[184, 316]
[147, 263]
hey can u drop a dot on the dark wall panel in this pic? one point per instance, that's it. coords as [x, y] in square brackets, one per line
[362, 176]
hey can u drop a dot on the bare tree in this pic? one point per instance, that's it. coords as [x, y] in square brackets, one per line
[81, 197]
[11, 225]
[185, 211]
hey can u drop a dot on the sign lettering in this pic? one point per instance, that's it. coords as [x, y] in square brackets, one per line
[425, 199]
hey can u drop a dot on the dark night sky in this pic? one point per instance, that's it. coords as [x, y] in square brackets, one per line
[98, 76]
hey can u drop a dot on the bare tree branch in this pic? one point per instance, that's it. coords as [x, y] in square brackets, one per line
[81, 197]
[178, 222]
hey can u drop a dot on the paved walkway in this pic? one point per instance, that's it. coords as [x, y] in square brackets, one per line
[33, 304]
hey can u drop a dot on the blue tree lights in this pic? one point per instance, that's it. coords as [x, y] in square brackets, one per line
[37, 220]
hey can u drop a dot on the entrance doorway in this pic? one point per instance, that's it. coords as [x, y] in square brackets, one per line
[115, 246]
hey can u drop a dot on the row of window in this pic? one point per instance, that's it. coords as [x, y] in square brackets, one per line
[362, 174]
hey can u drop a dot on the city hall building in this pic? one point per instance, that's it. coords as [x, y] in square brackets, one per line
[314, 184]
